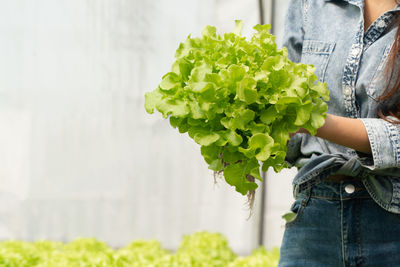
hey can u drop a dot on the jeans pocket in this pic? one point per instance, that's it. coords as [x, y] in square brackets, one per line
[297, 208]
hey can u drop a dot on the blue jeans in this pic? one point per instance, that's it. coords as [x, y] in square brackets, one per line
[338, 224]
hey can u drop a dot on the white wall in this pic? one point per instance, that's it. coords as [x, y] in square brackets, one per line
[79, 155]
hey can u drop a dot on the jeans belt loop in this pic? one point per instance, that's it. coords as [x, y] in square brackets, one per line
[304, 202]
[295, 191]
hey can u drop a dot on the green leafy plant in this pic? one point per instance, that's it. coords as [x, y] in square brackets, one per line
[260, 257]
[239, 100]
[205, 249]
[201, 249]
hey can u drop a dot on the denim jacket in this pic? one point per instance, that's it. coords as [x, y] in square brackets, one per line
[329, 34]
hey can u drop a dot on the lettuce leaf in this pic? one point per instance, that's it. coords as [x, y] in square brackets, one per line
[239, 100]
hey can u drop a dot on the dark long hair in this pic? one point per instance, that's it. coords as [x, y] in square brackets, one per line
[389, 101]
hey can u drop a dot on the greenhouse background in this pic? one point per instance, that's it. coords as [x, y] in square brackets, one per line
[79, 155]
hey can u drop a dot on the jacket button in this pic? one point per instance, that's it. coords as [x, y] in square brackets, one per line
[347, 91]
[381, 24]
[349, 189]
[355, 51]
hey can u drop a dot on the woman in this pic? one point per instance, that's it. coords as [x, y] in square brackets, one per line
[347, 189]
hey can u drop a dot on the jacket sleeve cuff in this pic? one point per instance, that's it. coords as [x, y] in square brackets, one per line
[384, 138]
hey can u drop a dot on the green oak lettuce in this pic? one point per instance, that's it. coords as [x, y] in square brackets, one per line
[201, 249]
[239, 100]
[260, 257]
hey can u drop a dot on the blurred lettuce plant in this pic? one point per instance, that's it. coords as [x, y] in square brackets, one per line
[201, 249]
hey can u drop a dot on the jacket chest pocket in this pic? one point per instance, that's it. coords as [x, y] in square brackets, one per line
[379, 78]
[317, 53]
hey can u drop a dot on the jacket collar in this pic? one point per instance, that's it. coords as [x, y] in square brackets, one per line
[358, 3]
[355, 2]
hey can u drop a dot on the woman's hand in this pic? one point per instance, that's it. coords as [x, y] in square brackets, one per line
[344, 131]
